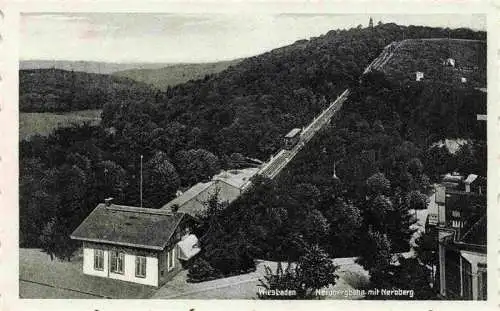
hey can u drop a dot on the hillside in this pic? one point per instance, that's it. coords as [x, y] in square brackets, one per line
[191, 130]
[428, 55]
[55, 90]
[87, 66]
[175, 74]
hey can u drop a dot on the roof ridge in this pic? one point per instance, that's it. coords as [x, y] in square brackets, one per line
[193, 191]
[136, 209]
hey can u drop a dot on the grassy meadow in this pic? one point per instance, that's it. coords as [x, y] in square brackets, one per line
[43, 123]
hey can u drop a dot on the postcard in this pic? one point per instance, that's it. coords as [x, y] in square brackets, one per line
[248, 155]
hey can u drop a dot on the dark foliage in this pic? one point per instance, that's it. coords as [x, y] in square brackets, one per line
[244, 109]
[200, 270]
[56, 90]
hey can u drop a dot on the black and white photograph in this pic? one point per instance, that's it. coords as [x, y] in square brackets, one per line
[253, 155]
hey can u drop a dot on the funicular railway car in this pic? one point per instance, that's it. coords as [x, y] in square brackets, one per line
[292, 138]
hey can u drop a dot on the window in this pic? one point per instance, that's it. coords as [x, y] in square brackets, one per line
[117, 262]
[140, 266]
[171, 259]
[98, 259]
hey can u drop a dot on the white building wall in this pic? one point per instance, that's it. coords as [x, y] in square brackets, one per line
[88, 263]
[129, 271]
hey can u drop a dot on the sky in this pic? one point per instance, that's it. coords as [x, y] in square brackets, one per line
[190, 38]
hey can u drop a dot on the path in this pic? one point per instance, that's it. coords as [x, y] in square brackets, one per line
[245, 286]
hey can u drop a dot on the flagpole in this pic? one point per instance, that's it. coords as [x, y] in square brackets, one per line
[141, 180]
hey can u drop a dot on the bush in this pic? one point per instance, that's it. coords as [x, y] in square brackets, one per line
[201, 270]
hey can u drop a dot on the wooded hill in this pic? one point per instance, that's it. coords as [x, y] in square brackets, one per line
[188, 132]
[87, 66]
[56, 90]
[174, 74]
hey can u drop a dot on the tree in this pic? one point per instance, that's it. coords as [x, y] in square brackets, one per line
[315, 227]
[111, 180]
[417, 200]
[399, 223]
[408, 273]
[415, 167]
[377, 211]
[283, 283]
[196, 165]
[376, 255]
[34, 202]
[160, 181]
[466, 160]
[68, 187]
[306, 194]
[226, 247]
[315, 270]
[48, 238]
[377, 184]
[345, 223]
[438, 160]
[200, 270]
[55, 241]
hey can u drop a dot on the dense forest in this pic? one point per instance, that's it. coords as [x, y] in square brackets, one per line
[56, 90]
[352, 191]
[190, 131]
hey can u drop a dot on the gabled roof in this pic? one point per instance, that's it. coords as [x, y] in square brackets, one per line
[189, 195]
[292, 133]
[129, 226]
[470, 179]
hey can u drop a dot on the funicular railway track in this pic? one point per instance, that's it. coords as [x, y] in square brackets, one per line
[277, 162]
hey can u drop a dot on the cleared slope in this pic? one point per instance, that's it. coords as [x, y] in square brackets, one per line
[427, 56]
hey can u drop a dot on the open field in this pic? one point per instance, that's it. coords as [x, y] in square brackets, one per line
[427, 56]
[31, 123]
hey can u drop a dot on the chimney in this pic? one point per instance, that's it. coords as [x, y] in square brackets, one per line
[108, 202]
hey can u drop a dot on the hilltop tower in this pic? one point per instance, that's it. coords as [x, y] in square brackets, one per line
[370, 23]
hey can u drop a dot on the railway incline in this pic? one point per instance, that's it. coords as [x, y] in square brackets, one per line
[278, 162]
